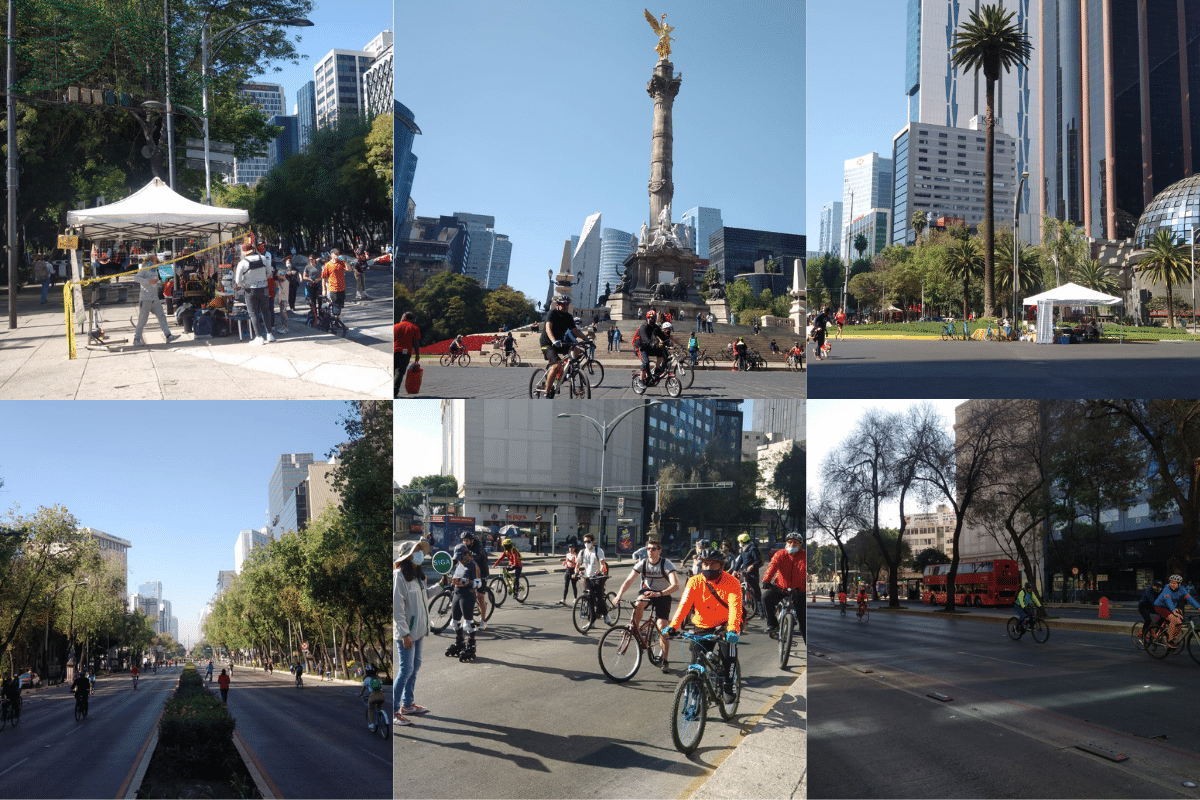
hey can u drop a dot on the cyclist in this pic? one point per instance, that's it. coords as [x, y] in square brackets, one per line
[299, 670]
[334, 275]
[481, 566]
[134, 671]
[746, 565]
[784, 574]
[509, 553]
[457, 347]
[1026, 603]
[594, 570]
[694, 554]
[558, 322]
[92, 680]
[862, 599]
[1167, 604]
[466, 581]
[589, 341]
[649, 341]
[374, 689]
[510, 344]
[208, 672]
[1145, 605]
[715, 598]
[842, 600]
[819, 326]
[81, 688]
[659, 582]
[11, 691]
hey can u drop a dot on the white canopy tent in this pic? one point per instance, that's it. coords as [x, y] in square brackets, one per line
[155, 212]
[1069, 294]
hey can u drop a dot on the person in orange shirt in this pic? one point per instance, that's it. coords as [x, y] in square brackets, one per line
[715, 598]
[334, 275]
[406, 338]
[786, 573]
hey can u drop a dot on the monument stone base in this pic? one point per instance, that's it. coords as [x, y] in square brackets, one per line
[633, 306]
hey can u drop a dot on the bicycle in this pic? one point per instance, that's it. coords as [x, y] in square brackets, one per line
[700, 687]
[1139, 641]
[9, 712]
[673, 385]
[1037, 628]
[864, 612]
[788, 622]
[583, 613]
[441, 606]
[795, 362]
[506, 359]
[702, 361]
[592, 369]
[322, 317]
[81, 707]
[501, 586]
[571, 375]
[382, 726]
[620, 649]
[750, 608]
[1160, 647]
[463, 359]
[683, 370]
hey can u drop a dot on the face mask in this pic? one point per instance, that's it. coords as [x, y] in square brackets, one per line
[588, 545]
[418, 558]
[711, 574]
[793, 550]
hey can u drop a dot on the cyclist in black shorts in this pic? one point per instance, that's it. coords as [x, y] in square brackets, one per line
[648, 342]
[659, 582]
[558, 322]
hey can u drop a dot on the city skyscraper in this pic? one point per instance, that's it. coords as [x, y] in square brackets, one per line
[482, 230]
[497, 275]
[286, 143]
[704, 222]
[734, 250]
[378, 80]
[785, 417]
[306, 114]
[831, 228]
[246, 541]
[290, 470]
[340, 80]
[406, 131]
[866, 185]
[615, 245]
[269, 99]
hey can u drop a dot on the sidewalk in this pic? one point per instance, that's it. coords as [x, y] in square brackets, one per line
[305, 364]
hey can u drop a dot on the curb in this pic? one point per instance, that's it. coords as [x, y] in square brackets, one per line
[261, 782]
[1097, 626]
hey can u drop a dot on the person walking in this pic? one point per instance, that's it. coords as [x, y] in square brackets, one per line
[295, 264]
[223, 682]
[208, 672]
[149, 282]
[410, 626]
[570, 577]
[334, 275]
[699, 322]
[281, 297]
[251, 276]
[41, 274]
[406, 337]
[361, 264]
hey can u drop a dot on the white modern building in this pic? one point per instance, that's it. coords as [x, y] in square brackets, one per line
[341, 89]
[379, 80]
[866, 184]
[247, 540]
[831, 227]
[290, 471]
[269, 99]
[585, 264]
[704, 222]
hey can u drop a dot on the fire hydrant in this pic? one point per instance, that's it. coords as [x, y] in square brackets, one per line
[1103, 608]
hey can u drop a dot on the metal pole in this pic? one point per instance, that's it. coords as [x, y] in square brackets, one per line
[11, 106]
[1193, 231]
[204, 108]
[603, 451]
[1016, 243]
[849, 225]
[167, 79]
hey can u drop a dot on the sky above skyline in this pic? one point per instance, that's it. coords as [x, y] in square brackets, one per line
[333, 29]
[536, 113]
[830, 422]
[179, 480]
[857, 103]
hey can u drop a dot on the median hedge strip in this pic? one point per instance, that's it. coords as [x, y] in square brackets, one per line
[195, 733]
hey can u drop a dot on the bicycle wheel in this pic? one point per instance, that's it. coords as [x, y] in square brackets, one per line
[496, 360]
[381, 725]
[729, 710]
[1193, 648]
[595, 372]
[521, 590]
[786, 623]
[1157, 646]
[491, 604]
[1136, 632]
[535, 382]
[337, 328]
[1039, 630]
[580, 615]
[439, 611]
[639, 387]
[3, 718]
[708, 363]
[620, 654]
[688, 713]
[445, 360]
[654, 650]
[579, 388]
[499, 589]
[686, 374]
[1014, 629]
[78, 711]
[674, 387]
[749, 607]
[464, 360]
[614, 608]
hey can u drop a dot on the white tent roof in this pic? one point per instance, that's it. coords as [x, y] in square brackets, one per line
[154, 211]
[1072, 294]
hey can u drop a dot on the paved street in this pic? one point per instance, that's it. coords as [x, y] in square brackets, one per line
[511, 383]
[882, 368]
[49, 754]
[1018, 714]
[533, 716]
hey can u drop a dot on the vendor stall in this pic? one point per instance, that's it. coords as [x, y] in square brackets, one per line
[1069, 294]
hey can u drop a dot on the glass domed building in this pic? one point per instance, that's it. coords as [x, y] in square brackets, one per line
[1177, 208]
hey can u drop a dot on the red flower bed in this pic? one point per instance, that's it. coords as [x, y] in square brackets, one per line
[473, 343]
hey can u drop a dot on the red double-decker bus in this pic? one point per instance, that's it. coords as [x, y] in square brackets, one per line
[978, 583]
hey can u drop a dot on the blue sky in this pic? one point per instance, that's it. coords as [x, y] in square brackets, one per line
[536, 112]
[333, 29]
[177, 479]
[856, 99]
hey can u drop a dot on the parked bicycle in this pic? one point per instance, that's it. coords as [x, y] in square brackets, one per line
[700, 687]
[702, 361]
[502, 585]
[383, 727]
[795, 362]
[1036, 626]
[584, 613]
[620, 649]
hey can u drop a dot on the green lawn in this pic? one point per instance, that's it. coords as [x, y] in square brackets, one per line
[934, 330]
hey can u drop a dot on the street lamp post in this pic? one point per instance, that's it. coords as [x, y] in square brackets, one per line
[205, 57]
[849, 225]
[1192, 232]
[1017, 242]
[605, 429]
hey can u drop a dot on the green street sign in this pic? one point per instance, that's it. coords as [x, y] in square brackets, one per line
[442, 562]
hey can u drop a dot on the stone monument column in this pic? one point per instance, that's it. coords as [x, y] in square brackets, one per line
[663, 87]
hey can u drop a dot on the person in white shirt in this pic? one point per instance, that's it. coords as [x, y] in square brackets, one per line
[150, 282]
[594, 570]
[252, 275]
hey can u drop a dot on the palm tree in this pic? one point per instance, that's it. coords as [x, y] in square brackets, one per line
[989, 41]
[919, 223]
[1166, 261]
[1027, 266]
[860, 244]
[1063, 244]
[963, 260]
[1096, 276]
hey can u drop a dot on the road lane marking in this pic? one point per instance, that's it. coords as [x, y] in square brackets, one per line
[373, 755]
[266, 786]
[993, 658]
[14, 766]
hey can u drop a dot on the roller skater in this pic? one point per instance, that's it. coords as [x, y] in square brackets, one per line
[454, 650]
[465, 578]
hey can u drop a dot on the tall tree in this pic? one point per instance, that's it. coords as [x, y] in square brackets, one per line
[963, 262]
[989, 41]
[1167, 261]
[919, 223]
[832, 513]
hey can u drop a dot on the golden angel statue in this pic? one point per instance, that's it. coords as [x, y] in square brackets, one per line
[664, 34]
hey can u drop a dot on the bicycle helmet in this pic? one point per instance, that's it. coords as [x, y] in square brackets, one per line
[651, 314]
[666, 326]
[745, 537]
[794, 536]
[578, 322]
[507, 542]
[711, 553]
[1176, 578]
[467, 535]
[562, 299]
